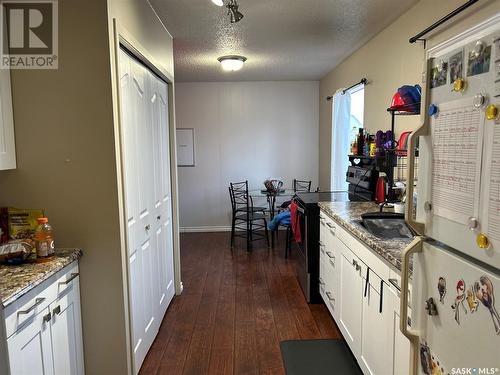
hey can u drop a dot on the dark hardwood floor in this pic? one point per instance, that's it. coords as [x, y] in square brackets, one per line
[235, 309]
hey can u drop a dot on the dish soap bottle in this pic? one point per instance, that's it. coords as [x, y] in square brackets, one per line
[44, 239]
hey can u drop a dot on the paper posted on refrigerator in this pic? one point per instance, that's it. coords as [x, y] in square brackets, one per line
[457, 136]
[493, 188]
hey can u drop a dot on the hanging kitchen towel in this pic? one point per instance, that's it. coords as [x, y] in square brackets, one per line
[294, 216]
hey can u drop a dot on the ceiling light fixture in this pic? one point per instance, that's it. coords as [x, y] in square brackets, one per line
[233, 12]
[219, 3]
[232, 63]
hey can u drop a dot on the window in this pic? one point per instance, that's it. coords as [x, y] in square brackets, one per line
[357, 106]
[347, 118]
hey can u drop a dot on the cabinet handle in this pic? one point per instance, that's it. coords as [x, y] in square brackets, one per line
[367, 282]
[158, 217]
[321, 282]
[321, 244]
[147, 227]
[71, 278]
[57, 310]
[32, 307]
[356, 265]
[381, 296]
[330, 255]
[329, 295]
[395, 284]
[330, 225]
[47, 318]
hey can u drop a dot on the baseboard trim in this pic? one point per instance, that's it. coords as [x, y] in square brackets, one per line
[205, 229]
[220, 228]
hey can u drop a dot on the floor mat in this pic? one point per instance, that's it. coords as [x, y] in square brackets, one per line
[318, 357]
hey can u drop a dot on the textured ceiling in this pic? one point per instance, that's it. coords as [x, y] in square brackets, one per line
[282, 39]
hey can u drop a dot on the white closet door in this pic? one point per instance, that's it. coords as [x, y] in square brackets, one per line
[156, 273]
[146, 165]
[168, 251]
[130, 91]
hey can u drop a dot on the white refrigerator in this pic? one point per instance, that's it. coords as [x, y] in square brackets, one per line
[455, 326]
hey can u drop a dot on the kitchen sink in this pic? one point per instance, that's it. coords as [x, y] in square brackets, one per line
[386, 225]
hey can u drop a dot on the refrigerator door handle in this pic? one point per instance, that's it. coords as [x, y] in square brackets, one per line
[424, 129]
[413, 335]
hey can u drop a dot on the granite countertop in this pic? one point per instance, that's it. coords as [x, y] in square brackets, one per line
[348, 215]
[16, 281]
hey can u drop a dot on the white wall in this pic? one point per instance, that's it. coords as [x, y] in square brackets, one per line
[243, 130]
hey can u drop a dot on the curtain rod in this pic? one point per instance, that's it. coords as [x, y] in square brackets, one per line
[363, 81]
[419, 36]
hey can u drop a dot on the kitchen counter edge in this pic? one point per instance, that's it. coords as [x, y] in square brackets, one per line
[348, 215]
[16, 281]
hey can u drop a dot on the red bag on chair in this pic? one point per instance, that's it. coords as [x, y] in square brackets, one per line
[294, 218]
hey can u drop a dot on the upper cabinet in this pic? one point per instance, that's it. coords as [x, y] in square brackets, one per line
[7, 143]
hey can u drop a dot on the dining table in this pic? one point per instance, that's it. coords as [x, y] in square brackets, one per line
[271, 197]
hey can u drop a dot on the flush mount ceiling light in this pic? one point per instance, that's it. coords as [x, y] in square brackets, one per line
[233, 12]
[232, 63]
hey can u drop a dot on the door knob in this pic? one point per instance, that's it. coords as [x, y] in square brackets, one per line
[147, 227]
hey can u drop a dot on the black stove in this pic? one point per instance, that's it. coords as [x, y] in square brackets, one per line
[307, 265]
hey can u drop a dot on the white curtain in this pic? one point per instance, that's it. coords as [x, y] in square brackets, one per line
[341, 115]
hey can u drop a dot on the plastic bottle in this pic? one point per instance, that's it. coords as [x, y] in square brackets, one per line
[44, 238]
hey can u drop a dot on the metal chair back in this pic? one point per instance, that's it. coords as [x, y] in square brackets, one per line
[301, 186]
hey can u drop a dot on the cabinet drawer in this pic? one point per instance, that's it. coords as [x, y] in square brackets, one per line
[22, 311]
[363, 253]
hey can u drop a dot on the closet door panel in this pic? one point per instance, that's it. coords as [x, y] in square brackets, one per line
[146, 164]
[129, 155]
[166, 182]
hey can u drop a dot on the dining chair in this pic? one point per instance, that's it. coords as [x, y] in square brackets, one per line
[242, 187]
[247, 221]
[301, 186]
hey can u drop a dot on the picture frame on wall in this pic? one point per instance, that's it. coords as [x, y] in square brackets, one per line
[185, 147]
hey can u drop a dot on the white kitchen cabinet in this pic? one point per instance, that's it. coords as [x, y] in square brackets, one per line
[7, 142]
[329, 265]
[377, 323]
[351, 299]
[401, 349]
[43, 328]
[144, 139]
[66, 332]
[30, 348]
[355, 287]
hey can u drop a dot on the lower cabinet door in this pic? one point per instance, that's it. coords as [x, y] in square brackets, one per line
[377, 330]
[401, 350]
[351, 299]
[66, 330]
[30, 349]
